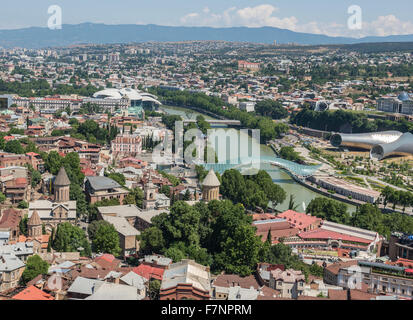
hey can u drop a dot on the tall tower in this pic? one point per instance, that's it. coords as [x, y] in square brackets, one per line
[210, 187]
[34, 225]
[61, 186]
[149, 194]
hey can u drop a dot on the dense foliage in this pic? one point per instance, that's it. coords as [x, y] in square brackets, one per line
[34, 266]
[252, 191]
[218, 234]
[70, 238]
[339, 120]
[367, 216]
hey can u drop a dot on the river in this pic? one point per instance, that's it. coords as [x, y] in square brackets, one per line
[302, 195]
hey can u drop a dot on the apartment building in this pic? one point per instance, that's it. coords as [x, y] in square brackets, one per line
[289, 282]
[127, 144]
[379, 278]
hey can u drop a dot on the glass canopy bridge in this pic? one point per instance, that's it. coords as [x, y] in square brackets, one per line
[294, 169]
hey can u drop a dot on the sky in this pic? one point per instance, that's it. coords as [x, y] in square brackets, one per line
[330, 17]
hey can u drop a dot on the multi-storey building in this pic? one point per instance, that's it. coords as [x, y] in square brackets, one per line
[400, 246]
[127, 144]
[379, 278]
[289, 282]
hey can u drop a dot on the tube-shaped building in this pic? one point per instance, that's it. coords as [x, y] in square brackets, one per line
[364, 140]
[401, 147]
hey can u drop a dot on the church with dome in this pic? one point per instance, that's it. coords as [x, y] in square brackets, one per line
[210, 187]
[53, 213]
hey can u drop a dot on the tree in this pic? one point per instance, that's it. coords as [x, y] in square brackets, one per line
[94, 226]
[368, 216]
[288, 153]
[118, 177]
[240, 252]
[271, 108]
[53, 162]
[386, 194]
[187, 195]
[77, 194]
[23, 205]
[152, 240]
[34, 266]
[70, 238]
[252, 191]
[166, 190]
[175, 254]
[154, 289]
[2, 197]
[14, 146]
[23, 225]
[36, 177]
[106, 240]
[134, 197]
[329, 209]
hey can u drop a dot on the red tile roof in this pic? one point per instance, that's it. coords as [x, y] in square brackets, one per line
[326, 234]
[149, 272]
[299, 220]
[10, 218]
[32, 293]
[107, 261]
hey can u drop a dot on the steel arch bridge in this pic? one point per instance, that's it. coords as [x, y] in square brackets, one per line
[295, 169]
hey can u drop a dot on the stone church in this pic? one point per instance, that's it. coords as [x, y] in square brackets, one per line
[52, 213]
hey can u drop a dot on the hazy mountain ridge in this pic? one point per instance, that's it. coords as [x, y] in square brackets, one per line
[90, 33]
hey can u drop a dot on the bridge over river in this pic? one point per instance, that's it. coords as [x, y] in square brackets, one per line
[294, 169]
[216, 122]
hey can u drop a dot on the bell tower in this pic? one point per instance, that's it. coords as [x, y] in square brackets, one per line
[61, 186]
[149, 194]
[34, 225]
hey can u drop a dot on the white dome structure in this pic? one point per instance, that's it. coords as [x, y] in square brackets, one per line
[127, 93]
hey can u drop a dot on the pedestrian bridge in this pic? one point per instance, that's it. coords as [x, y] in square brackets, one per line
[295, 169]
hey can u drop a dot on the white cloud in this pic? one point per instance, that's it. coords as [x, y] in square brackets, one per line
[264, 15]
[389, 25]
[258, 16]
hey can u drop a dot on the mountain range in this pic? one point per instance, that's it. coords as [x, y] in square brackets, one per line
[92, 33]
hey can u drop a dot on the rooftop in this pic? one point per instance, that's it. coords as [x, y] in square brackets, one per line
[99, 183]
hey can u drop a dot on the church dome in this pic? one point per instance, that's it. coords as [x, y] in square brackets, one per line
[62, 178]
[211, 180]
[34, 219]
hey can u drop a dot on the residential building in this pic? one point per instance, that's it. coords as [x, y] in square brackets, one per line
[245, 65]
[400, 246]
[289, 282]
[127, 234]
[378, 278]
[127, 144]
[9, 222]
[247, 106]
[11, 269]
[101, 188]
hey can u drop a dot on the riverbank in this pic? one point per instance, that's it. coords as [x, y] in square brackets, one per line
[303, 195]
[199, 110]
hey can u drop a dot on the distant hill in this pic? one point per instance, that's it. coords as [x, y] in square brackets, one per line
[90, 33]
